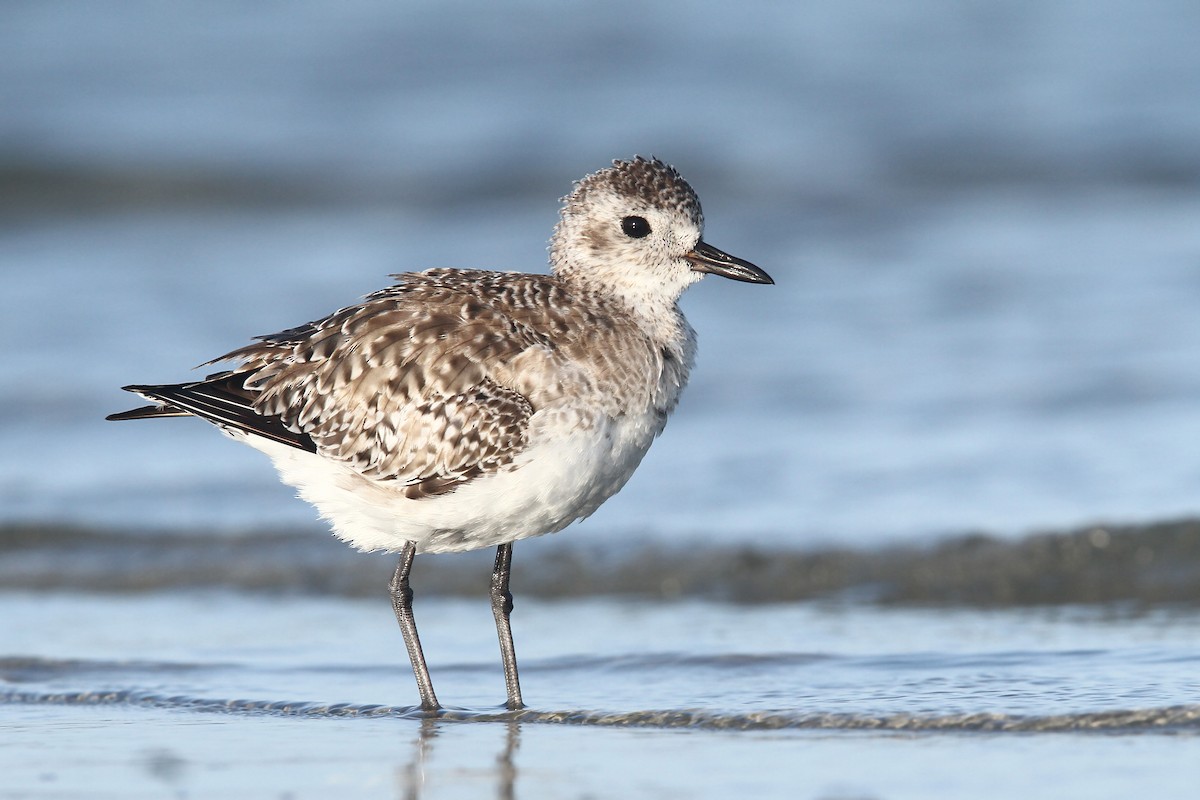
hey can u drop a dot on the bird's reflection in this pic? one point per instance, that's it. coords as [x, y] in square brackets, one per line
[506, 767]
[412, 776]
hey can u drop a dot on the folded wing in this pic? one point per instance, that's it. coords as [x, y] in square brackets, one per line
[401, 387]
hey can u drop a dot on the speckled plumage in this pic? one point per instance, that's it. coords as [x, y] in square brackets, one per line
[437, 377]
[459, 409]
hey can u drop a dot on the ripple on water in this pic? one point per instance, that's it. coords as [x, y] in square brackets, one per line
[1172, 719]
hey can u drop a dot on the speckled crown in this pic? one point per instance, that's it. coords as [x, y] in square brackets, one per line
[648, 179]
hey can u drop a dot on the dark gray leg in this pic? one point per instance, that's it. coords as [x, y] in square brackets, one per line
[501, 608]
[402, 605]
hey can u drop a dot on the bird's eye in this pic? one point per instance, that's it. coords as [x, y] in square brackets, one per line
[635, 227]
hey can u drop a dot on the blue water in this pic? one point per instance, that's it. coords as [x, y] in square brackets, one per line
[982, 220]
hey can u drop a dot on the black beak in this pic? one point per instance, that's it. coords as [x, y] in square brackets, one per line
[706, 258]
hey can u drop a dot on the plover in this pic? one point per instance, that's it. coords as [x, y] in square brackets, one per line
[462, 409]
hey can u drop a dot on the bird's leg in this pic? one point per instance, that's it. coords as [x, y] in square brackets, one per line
[501, 608]
[402, 605]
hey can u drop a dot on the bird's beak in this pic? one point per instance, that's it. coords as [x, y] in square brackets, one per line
[706, 258]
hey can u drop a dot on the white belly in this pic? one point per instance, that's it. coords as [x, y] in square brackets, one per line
[564, 475]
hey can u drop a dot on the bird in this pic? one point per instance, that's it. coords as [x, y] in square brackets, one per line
[460, 409]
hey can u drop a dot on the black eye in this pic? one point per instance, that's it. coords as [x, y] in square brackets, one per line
[635, 227]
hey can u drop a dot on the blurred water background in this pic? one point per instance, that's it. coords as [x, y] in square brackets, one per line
[983, 223]
[982, 220]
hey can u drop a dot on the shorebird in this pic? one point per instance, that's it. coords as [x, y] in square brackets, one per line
[459, 409]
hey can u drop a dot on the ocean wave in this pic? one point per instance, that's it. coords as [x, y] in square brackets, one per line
[1155, 564]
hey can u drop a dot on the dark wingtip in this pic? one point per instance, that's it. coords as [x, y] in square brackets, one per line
[159, 409]
[147, 412]
[220, 399]
[133, 413]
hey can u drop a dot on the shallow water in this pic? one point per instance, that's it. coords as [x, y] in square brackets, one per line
[768, 698]
[272, 756]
